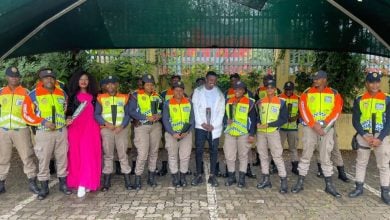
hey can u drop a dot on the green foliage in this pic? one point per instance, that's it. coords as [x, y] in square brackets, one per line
[345, 74]
[125, 68]
[302, 81]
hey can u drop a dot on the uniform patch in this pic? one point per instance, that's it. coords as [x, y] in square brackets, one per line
[120, 103]
[295, 104]
[174, 109]
[144, 98]
[379, 106]
[328, 99]
[274, 109]
[186, 109]
[365, 105]
[243, 109]
[19, 102]
[107, 103]
[44, 101]
[61, 100]
[4, 101]
[312, 99]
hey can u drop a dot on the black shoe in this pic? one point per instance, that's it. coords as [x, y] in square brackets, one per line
[225, 174]
[357, 191]
[265, 182]
[164, 169]
[176, 180]
[152, 179]
[118, 170]
[385, 194]
[106, 182]
[44, 190]
[283, 185]
[241, 179]
[138, 183]
[63, 188]
[231, 179]
[128, 185]
[32, 185]
[320, 174]
[257, 163]
[273, 168]
[294, 167]
[249, 172]
[2, 186]
[183, 179]
[52, 167]
[197, 180]
[342, 174]
[299, 185]
[133, 167]
[213, 181]
[330, 187]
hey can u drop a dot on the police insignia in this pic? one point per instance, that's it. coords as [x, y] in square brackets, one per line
[379, 106]
[61, 100]
[143, 98]
[120, 103]
[242, 109]
[186, 109]
[274, 109]
[19, 102]
[14, 70]
[328, 99]
[375, 75]
[44, 101]
[312, 99]
[149, 76]
[174, 109]
[4, 101]
[107, 103]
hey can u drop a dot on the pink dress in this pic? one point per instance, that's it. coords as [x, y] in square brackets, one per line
[84, 155]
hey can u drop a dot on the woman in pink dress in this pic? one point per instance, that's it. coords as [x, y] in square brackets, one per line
[84, 155]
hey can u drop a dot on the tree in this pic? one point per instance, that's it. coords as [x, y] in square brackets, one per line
[345, 74]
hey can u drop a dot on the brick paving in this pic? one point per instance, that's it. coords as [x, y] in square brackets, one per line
[166, 202]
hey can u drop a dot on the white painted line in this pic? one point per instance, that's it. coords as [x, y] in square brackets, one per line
[366, 186]
[23, 203]
[211, 195]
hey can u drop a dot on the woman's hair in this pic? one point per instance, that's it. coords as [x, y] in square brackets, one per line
[73, 85]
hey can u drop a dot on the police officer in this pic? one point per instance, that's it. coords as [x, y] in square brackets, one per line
[371, 119]
[272, 114]
[178, 119]
[289, 130]
[239, 133]
[319, 107]
[45, 107]
[112, 113]
[14, 131]
[145, 109]
[167, 95]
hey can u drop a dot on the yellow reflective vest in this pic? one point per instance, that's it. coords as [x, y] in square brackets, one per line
[119, 100]
[241, 109]
[269, 112]
[179, 113]
[11, 107]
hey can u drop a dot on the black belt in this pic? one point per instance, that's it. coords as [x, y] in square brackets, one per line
[148, 123]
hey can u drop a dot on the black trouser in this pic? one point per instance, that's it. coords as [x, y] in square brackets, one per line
[200, 138]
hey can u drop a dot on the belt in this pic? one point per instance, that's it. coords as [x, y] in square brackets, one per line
[7, 129]
[148, 123]
[60, 130]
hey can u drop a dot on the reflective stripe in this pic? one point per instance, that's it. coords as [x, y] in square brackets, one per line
[269, 112]
[369, 105]
[241, 108]
[179, 113]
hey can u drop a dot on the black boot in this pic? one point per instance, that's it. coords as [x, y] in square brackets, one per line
[133, 167]
[241, 179]
[152, 179]
[283, 185]
[320, 174]
[63, 188]
[294, 168]
[272, 168]
[342, 174]
[213, 181]
[128, 185]
[189, 172]
[32, 185]
[265, 182]
[183, 179]
[231, 179]
[249, 172]
[118, 168]
[225, 174]
[299, 185]
[164, 168]
[106, 182]
[217, 171]
[330, 187]
[52, 167]
[44, 190]
[175, 180]
[385, 194]
[2, 186]
[357, 191]
[138, 183]
[257, 163]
